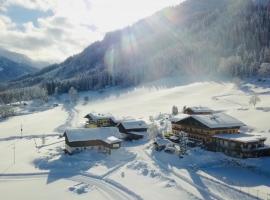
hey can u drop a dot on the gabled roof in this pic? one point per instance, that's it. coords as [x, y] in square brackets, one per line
[179, 117]
[97, 116]
[106, 134]
[199, 109]
[217, 120]
[134, 124]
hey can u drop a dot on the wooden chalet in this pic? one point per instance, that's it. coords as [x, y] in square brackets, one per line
[240, 145]
[99, 120]
[197, 110]
[133, 129]
[103, 139]
[212, 129]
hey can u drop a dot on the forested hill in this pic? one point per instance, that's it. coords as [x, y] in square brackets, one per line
[10, 70]
[228, 37]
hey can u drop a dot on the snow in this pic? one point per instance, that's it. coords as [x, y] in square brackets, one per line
[113, 139]
[218, 120]
[36, 123]
[106, 134]
[162, 142]
[136, 170]
[134, 124]
[97, 116]
[198, 109]
[179, 117]
[241, 137]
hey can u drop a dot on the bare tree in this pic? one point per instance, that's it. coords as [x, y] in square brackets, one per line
[254, 99]
[73, 94]
[237, 81]
[174, 110]
[183, 140]
[86, 100]
[43, 140]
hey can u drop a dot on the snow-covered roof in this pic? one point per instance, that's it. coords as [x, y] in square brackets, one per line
[198, 109]
[217, 120]
[241, 137]
[106, 134]
[179, 117]
[97, 116]
[134, 124]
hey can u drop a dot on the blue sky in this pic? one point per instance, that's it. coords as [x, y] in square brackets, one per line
[52, 30]
[21, 15]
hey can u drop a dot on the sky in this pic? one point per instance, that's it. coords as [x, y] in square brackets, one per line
[52, 30]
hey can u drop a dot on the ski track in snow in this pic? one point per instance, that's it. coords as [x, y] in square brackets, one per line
[110, 188]
[72, 119]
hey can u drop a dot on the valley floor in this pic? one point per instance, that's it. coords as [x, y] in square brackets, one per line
[35, 167]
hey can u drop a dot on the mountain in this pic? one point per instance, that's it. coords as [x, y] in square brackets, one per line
[10, 70]
[196, 38]
[22, 59]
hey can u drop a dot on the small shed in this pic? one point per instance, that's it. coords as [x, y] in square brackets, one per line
[104, 139]
[133, 129]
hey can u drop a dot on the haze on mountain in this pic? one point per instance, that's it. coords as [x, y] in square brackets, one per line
[14, 65]
[10, 70]
[223, 38]
[22, 59]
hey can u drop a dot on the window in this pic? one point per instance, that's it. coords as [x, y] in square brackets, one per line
[116, 145]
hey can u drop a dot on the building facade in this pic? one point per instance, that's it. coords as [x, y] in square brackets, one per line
[103, 139]
[133, 129]
[99, 120]
[220, 132]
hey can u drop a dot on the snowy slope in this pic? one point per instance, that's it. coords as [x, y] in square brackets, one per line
[135, 171]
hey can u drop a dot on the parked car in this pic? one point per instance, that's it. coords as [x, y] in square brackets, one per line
[170, 149]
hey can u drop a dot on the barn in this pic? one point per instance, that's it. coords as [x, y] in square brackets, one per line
[133, 129]
[105, 139]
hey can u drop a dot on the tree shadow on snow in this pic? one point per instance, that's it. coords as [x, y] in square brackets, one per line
[220, 167]
[63, 166]
[167, 168]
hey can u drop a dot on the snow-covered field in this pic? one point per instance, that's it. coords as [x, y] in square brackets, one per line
[40, 170]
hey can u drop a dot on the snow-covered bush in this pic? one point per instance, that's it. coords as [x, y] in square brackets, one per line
[6, 111]
[264, 69]
[153, 131]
